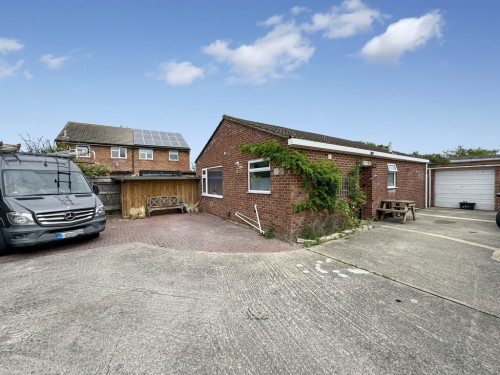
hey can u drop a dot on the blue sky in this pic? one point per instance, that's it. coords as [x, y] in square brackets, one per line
[424, 75]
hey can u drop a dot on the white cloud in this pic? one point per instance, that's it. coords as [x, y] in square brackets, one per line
[9, 45]
[298, 10]
[7, 70]
[279, 52]
[405, 35]
[271, 21]
[53, 62]
[349, 19]
[179, 74]
[27, 74]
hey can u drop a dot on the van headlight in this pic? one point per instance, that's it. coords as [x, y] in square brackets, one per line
[20, 218]
[99, 211]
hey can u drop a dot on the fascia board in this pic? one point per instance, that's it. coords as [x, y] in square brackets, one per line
[303, 143]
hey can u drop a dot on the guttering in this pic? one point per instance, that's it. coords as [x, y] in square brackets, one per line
[479, 160]
[467, 166]
[302, 143]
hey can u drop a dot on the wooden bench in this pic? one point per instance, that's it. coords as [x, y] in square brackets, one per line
[163, 202]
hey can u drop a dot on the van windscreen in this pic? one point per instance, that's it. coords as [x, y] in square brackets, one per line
[33, 182]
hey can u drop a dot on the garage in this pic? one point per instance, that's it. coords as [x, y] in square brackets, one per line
[477, 185]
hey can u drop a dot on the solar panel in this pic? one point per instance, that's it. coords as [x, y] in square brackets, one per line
[159, 138]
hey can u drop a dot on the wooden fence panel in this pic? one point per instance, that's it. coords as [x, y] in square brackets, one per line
[109, 193]
[135, 192]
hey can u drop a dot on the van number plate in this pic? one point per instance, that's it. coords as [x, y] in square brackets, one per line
[69, 234]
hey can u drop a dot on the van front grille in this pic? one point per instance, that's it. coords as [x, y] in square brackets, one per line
[65, 217]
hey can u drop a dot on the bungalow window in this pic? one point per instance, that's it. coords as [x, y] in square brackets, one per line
[259, 176]
[391, 175]
[173, 155]
[211, 182]
[83, 151]
[118, 152]
[145, 154]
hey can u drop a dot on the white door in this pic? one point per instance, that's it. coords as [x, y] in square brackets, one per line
[452, 186]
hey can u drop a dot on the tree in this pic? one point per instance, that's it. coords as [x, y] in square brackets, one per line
[460, 151]
[375, 145]
[433, 158]
[40, 145]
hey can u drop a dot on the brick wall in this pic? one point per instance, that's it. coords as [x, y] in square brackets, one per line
[276, 209]
[132, 164]
[410, 182]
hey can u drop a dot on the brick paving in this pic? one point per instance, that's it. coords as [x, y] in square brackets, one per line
[189, 232]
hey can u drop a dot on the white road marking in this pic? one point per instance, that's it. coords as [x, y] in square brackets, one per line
[318, 267]
[459, 218]
[357, 270]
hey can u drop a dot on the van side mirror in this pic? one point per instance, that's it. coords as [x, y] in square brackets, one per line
[95, 189]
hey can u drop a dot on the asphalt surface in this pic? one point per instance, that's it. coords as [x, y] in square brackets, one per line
[139, 308]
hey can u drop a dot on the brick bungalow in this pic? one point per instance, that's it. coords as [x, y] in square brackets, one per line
[126, 151]
[226, 187]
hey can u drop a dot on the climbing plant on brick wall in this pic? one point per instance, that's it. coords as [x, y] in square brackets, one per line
[321, 179]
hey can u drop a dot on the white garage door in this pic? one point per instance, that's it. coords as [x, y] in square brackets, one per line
[470, 185]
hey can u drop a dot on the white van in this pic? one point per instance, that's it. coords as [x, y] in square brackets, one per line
[44, 198]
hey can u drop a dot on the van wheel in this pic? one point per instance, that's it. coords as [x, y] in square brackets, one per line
[498, 219]
[4, 249]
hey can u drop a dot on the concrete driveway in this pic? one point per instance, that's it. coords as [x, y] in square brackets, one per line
[454, 254]
[141, 308]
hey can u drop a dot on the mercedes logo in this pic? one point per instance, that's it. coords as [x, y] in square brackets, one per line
[69, 216]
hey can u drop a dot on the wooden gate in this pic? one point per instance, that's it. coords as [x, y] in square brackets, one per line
[109, 193]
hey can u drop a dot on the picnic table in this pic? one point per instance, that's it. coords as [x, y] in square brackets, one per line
[396, 207]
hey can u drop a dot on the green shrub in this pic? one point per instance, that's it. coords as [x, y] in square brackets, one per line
[94, 170]
[269, 233]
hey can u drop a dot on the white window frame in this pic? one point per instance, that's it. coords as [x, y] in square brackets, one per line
[145, 154]
[392, 170]
[261, 169]
[82, 147]
[344, 187]
[118, 149]
[204, 182]
[173, 152]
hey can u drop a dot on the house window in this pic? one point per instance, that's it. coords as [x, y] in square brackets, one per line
[118, 152]
[173, 155]
[211, 181]
[391, 175]
[259, 176]
[344, 187]
[83, 151]
[145, 154]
